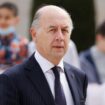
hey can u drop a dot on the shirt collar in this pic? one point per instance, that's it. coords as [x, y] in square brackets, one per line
[45, 64]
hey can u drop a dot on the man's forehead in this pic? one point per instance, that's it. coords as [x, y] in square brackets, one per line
[55, 22]
[54, 16]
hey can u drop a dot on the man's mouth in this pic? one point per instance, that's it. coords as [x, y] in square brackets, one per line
[59, 47]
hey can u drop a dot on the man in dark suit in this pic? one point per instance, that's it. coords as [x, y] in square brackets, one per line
[44, 79]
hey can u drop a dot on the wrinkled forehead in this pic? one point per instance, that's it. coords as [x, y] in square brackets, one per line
[58, 22]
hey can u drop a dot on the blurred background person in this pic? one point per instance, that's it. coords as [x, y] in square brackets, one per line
[12, 46]
[93, 59]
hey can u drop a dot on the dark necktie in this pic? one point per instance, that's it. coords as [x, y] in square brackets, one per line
[59, 94]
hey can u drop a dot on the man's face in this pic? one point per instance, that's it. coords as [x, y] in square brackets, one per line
[6, 18]
[53, 35]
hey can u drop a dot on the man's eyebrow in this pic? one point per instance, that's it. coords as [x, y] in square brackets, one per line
[56, 26]
[51, 26]
[66, 27]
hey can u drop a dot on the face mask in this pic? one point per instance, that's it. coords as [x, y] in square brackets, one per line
[7, 31]
[14, 47]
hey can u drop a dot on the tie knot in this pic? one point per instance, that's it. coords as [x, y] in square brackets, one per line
[55, 70]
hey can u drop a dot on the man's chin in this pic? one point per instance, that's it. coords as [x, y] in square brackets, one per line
[59, 55]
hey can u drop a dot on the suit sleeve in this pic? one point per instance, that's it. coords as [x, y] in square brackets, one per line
[8, 92]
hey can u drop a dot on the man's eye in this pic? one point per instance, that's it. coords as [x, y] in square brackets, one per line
[52, 30]
[65, 31]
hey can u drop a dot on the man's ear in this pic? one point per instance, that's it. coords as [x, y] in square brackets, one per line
[33, 33]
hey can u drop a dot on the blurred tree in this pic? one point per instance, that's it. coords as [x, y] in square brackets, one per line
[82, 13]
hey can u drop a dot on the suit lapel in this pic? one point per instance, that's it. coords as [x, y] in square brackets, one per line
[72, 84]
[38, 79]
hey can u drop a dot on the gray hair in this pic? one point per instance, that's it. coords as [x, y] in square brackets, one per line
[37, 15]
[35, 22]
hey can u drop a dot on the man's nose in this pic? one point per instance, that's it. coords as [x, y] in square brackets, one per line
[59, 35]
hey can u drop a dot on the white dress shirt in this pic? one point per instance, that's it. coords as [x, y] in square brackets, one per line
[46, 68]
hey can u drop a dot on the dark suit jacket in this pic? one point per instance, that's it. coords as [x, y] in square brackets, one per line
[25, 84]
